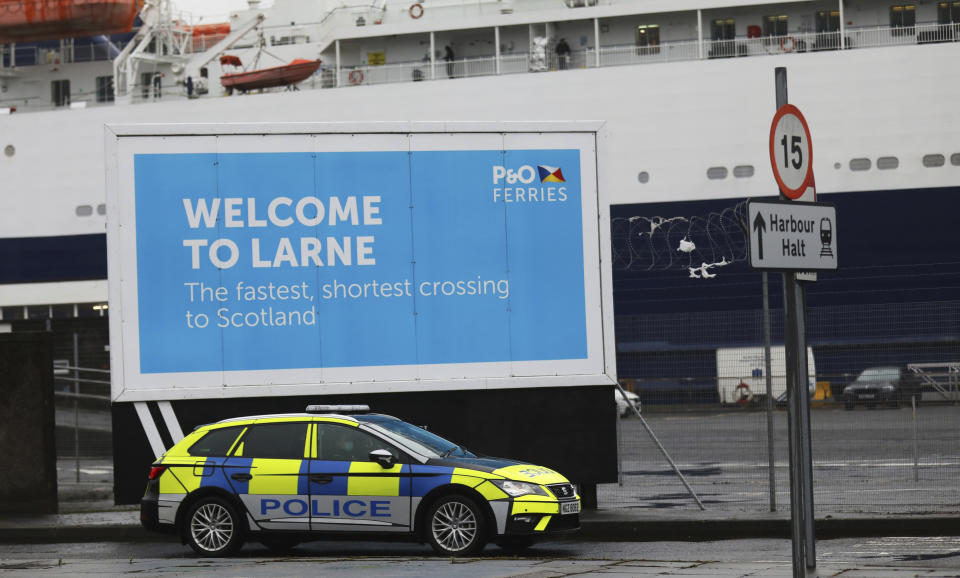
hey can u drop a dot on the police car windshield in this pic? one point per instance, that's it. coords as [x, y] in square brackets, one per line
[418, 438]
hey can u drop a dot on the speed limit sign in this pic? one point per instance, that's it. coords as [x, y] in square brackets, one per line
[791, 151]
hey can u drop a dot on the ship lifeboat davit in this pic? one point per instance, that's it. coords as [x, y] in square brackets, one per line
[32, 20]
[286, 75]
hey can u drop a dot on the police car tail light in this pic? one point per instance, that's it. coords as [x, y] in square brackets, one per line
[155, 471]
[516, 489]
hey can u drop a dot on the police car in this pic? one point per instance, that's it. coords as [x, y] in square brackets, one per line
[287, 479]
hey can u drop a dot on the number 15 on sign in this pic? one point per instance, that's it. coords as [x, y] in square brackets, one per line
[791, 151]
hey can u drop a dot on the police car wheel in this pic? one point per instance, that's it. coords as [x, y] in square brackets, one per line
[455, 526]
[214, 527]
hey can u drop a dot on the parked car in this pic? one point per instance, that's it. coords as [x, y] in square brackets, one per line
[338, 471]
[624, 405]
[882, 385]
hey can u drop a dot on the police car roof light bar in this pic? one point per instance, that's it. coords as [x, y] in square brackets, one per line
[338, 409]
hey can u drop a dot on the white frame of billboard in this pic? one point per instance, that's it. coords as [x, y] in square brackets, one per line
[122, 278]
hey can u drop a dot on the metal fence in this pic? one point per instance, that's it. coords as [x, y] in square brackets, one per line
[701, 378]
[81, 381]
[883, 456]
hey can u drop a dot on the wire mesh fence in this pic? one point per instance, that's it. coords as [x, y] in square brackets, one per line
[701, 379]
[81, 384]
[885, 394]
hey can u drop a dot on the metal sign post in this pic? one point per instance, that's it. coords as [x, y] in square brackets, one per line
[791, 154]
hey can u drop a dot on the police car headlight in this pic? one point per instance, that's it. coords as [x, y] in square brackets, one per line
[515, 489]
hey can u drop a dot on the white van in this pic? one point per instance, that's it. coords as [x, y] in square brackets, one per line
[741, 377]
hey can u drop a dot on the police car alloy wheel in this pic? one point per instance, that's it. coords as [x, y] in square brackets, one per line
[213, 528]
[455, 526]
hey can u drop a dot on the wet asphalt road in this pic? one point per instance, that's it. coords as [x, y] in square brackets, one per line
[939, 556]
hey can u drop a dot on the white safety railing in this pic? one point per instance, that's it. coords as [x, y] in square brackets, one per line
[628, 55]
[666, 52]
[517, 63]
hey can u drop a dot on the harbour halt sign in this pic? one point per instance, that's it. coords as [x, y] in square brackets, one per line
[789, 236]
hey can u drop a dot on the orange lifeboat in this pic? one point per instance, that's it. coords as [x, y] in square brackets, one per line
[286, 75]
[205, 35]
[31, 20]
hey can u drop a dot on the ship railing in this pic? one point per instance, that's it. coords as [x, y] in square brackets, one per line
[438, 70]
[631, 54]
[626, 55]
[900, 36]
[201, 43]
[36, 55]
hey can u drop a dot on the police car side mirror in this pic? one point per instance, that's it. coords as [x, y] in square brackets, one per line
[382, 457]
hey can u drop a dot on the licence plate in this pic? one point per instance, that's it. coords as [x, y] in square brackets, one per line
[867, 396]
[570, 507]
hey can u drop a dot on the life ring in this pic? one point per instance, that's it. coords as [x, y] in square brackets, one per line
[788, 46]
[742, 393]
[416, 10]
[356, 76]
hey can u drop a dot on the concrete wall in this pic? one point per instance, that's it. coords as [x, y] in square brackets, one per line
[28, 479]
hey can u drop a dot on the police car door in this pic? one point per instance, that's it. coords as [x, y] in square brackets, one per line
[269, 473]
[348, 491]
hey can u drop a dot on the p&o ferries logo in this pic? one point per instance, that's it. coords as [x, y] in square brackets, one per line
[550, 174]
[527, 175]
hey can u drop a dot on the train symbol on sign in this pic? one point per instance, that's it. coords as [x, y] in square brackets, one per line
[826, 237]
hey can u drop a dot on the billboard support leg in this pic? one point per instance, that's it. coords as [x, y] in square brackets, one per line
[663, 451]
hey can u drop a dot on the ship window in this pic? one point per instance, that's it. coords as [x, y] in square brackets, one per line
[717, 173]
[931, 161]
[859, 164]
[648, 35]
[9, 150]
[723, 29]
[775, 25]
[104, 89]
[903, 17]
[60, 92]
[955, 159]
[11, 313]
[948, 13]
[91, 309]
[887, 163]
[828, 21]
[101, 209]
[644, 177]
[84, 210]
[38, 312]
[61, 311]
[743, 171]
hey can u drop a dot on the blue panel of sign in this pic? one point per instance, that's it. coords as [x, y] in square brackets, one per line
[260, 261]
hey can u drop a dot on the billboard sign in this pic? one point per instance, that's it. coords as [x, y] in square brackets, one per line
[290, 260]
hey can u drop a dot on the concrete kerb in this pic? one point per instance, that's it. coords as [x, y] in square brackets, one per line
[122, 525]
